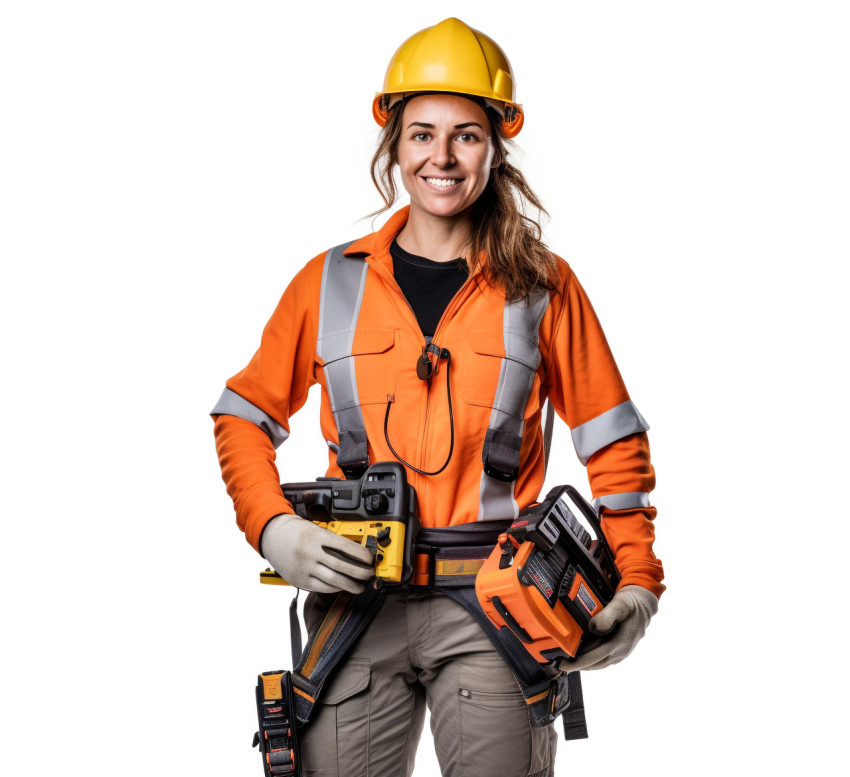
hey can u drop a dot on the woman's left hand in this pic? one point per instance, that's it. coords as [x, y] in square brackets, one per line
[632, 608]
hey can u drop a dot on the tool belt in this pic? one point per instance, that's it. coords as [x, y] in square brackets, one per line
[446, 560]
[451, 558]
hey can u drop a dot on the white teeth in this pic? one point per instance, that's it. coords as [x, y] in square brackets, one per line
[442, 181]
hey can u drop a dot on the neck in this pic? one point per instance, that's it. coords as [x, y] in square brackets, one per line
[437, 238]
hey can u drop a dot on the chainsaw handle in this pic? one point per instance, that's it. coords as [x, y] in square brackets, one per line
[586, 509]
[596, 524]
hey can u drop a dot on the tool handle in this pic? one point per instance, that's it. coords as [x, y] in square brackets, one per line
[593, 519]
[270, 577]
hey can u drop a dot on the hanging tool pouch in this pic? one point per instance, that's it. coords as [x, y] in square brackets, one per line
[277, 737]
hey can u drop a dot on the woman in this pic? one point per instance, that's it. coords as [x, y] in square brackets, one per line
[436, 341]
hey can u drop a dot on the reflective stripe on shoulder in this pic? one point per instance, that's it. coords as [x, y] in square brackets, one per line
[502, 444]
[231, 403]
[612, 425]
[343, 283]
[627, 500]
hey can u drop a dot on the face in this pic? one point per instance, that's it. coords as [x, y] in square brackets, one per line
[445, 154]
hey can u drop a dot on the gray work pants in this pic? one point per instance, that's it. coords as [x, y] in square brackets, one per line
[422, 648]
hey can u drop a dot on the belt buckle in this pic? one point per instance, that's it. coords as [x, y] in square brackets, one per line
[431, 552]
[432, 566]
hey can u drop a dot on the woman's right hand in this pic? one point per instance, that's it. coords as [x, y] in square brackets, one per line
[315, 559]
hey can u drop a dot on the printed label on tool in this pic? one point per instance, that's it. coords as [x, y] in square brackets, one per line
[540, 576]
[586, 598]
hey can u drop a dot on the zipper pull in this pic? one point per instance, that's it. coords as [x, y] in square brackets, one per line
[424, 367]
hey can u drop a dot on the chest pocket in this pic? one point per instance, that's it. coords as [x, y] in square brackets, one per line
[375, 366]
[491, 378]
[370, 369]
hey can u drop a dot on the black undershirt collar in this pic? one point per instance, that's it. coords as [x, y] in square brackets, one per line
[427, 285]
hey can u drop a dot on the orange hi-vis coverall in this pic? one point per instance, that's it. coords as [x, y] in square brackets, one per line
[576, 372]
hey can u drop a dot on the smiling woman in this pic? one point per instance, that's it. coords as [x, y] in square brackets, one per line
[445, 154]
[455, 295]
[457, 142]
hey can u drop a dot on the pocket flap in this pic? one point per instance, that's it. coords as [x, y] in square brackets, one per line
[333, 346]
[487, 342]
[373, 340]
[491, 342]
[351, 678]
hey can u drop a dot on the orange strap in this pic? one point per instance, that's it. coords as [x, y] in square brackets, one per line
[448, 567]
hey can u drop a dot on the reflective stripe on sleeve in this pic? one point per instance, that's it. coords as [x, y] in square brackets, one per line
[230, 403]
[628, 500]
[612, 425]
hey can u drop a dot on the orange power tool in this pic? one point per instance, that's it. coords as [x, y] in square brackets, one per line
[548, 577]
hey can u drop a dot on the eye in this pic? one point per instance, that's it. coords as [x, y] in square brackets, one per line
[466, 137]
[421, 137]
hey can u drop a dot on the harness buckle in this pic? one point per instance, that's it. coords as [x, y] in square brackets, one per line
[432, 567]
[497, 474]
[354, 471]
[428, 555]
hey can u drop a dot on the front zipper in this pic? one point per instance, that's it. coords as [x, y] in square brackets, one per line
[447, 313]
[393, 284]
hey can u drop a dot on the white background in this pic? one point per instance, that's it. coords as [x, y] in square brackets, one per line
[166, 168]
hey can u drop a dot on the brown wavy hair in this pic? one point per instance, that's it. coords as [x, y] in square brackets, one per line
[517, 259]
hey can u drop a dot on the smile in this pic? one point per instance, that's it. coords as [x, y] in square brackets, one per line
[443, 182]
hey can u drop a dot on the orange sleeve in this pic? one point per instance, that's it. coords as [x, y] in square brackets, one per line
[587, 391]
[623, 467]
[247, 457]
[252, 417]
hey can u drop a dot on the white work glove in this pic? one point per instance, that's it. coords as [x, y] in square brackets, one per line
[315, 559]
[632, 607]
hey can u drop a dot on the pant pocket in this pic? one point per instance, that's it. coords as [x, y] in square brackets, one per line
[335, 741]
[499, 736]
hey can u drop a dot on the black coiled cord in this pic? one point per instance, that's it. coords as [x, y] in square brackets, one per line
[444, 354]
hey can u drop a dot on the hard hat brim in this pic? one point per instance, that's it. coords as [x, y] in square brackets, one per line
[512, 114]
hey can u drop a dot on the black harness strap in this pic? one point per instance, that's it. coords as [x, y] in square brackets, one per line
[345, 622]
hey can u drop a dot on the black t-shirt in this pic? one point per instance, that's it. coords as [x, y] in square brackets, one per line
[428, 286]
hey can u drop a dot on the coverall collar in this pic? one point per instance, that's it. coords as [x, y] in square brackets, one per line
[377, 244]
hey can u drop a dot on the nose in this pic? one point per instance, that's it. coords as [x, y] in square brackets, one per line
[441, 153]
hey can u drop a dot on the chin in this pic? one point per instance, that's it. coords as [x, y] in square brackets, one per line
[444, 210]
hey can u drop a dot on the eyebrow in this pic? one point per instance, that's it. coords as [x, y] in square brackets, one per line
[457, 126]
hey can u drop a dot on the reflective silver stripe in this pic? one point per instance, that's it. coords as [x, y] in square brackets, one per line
[626, 501]
[614, 424]
[496, 500]
[343, 282]
[520, 324]
[230, 403]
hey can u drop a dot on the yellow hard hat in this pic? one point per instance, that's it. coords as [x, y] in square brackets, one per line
[451, 57]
